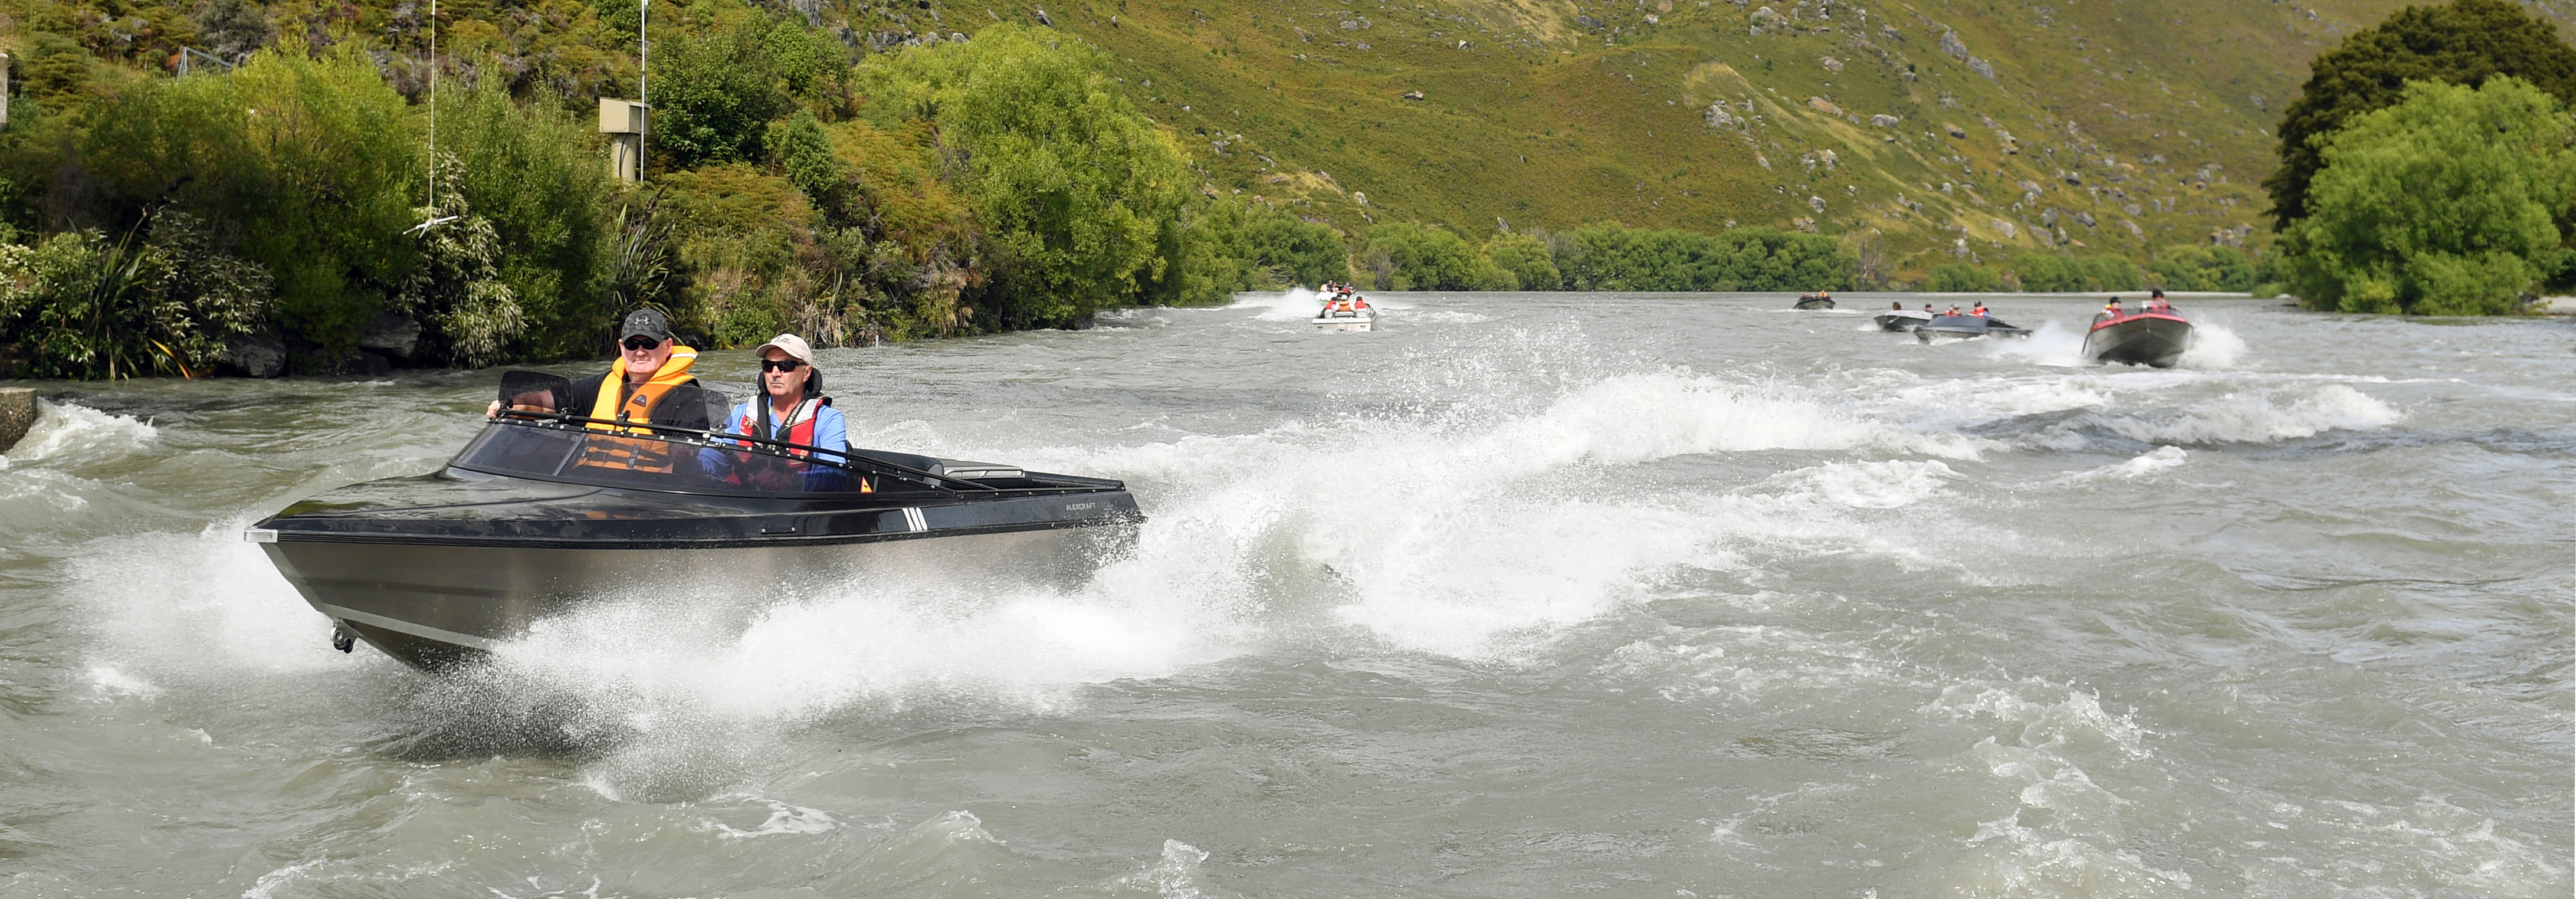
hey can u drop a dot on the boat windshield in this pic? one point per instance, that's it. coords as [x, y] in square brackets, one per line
[682, 445]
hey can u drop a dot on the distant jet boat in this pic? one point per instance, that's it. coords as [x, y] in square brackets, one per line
[1817, 300]
[1902, 319]
[1345, 320]
[1963, 327]
[2153, 337]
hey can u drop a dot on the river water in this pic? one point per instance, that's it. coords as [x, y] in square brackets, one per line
[1521, 596]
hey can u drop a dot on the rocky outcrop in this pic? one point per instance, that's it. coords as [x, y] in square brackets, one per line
[397, 336]
[17, 414]
[257, 357]
[1950, 44]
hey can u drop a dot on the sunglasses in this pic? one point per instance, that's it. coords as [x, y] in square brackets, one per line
[640, 342]
[780, 365]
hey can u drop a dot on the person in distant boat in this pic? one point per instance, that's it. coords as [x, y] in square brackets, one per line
[1954, 310]
[2110, 310]
[791, 408]
[1979, 312]
[2156, 301]
[1927, 308]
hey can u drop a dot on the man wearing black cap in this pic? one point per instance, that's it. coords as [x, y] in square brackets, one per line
[649, 362]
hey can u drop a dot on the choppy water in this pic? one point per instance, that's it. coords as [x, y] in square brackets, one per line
[1521, 596]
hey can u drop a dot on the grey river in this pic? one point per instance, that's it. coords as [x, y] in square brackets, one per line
[1520, 596]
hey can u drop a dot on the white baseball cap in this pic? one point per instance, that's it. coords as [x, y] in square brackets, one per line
[790, 344]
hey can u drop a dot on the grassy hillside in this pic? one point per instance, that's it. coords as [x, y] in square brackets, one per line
[1552, 114]
[1934, 130]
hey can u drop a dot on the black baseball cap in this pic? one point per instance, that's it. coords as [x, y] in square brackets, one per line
[645, 322]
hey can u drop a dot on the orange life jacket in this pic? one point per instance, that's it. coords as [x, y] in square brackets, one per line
[634, 403]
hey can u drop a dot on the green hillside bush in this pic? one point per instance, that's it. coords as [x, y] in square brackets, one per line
[1404, 256]
[1961, 277]
[2455, 201]
[1526, 259]
[2055, 273]
[310, 163]
[1615, 257]
[1072, 187]
[2202, 268]
[2463, 42]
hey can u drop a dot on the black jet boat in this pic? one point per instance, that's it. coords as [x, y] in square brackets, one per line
[2150, 337]
[544, 514]
[1817, 300]
[1962, 327]
[1902, 319]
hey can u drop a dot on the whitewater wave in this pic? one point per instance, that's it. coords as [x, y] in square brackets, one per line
[74, 431]
[2260, 416]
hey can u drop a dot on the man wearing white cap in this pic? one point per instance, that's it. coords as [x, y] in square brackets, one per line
[794, 410]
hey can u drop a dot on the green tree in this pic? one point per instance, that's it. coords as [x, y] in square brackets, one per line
[2455, 201]
[312, 161]
[1614, 257]
[714, 92]
[2464, 42]
[1431, 258]
[532, 172]
[2202, 268]
[1526, 259]
[1290, 250]
[1961, 277]
[1073, 187]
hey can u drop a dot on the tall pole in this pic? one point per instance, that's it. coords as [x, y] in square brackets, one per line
[433, 108]
[643, 61]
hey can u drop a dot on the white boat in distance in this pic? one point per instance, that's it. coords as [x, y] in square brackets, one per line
[1354, 320]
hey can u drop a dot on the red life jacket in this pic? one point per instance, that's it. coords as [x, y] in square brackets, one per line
[801, 432]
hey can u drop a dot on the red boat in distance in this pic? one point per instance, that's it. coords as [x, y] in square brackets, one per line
[2152, 336]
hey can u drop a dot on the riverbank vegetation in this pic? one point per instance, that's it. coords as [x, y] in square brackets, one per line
[2429, 166]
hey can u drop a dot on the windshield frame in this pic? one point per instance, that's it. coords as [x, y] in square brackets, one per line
[907, 481]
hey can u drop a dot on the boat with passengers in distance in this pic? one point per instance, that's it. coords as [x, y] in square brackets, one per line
[2153, 336]
[544, 514]
[1964, 327]
[1902, 319]
[1816, 300]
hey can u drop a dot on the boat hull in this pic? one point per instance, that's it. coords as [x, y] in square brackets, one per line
[437, 606]
[1815, 303]
[1345, 323]
[2156, 341]
[1901, 321]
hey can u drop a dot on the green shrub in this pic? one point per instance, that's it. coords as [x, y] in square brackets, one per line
[1961, 277]
[1072, 187]
[2456, 201]
[309, 162]
[1526, 259]
[534, 173]
[1416, 257]
[1615, 257]
[2202, 268]
[714, 92]
[82, 305]
[2053, 273]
